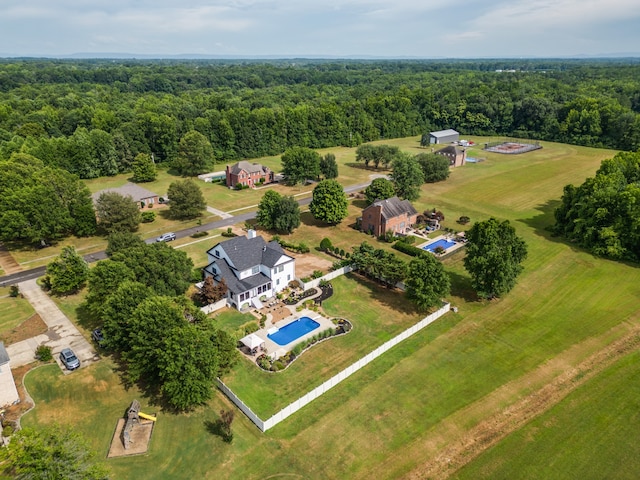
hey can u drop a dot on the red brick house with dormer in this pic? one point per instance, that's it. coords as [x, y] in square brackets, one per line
[390, 214]
[248, 174]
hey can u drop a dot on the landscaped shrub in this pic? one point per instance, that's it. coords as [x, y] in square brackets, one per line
[325, 244]
[408, 239]
[408, 249]
[14, 291]
[298, 248]
[203, 233]
[148, 217]
[463, 220]
[317, 274]
[43, 353]
[228, 233]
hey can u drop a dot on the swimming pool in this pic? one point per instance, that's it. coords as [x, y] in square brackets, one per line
[443, 243]
[293, 330]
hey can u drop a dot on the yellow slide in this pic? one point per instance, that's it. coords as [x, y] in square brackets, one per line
[148, 417]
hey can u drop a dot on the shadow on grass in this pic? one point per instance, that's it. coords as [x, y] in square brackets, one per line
[218, 429]
[461, 287]
[307, 219]
[390, 297]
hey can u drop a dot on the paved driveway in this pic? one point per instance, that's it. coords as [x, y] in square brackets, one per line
[61, 334]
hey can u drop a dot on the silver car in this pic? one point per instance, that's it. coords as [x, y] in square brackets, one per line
[69, 359]
[166, 237]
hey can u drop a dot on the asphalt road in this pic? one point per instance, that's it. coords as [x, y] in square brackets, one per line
[94, 257]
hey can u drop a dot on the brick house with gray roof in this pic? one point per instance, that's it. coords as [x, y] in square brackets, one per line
[252, 268]
[249, 174]
[390, 214]
[457, 156]
[137, 193]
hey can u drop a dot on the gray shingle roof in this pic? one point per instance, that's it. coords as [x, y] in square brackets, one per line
[394, 207]
[247, 167]
[236, 285]
[246, 252]
[136, 192]
[444, 133]
[4, 356]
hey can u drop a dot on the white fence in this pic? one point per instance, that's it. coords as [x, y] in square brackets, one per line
[329, 276]
[214, 306]
[336, 379]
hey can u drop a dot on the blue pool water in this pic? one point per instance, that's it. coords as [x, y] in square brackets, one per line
[444, 243]
[294, 330]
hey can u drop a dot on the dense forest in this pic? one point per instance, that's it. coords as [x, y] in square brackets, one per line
[92, 118]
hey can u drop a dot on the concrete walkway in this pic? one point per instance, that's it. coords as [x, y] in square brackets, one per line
[220, 213]
[61, 334]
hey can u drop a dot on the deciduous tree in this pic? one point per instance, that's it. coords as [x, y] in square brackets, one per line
[407, 177]
[435, 168]
[300, 164]
[67, 273]
[117, 213]
[329, 203]
[427, 282]
[494, 257]
[329, 166]
[144, 169]
[379, 189]
[195, 155]
[50, 452]
[186, 200]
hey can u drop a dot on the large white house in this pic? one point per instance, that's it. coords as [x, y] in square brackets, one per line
[252, 269]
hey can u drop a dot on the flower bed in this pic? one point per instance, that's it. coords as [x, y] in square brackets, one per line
[327, 291]
[292, 299]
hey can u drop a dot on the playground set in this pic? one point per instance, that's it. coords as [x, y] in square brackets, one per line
[133, 433]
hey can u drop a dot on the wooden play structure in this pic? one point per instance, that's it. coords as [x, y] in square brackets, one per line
[133, 432]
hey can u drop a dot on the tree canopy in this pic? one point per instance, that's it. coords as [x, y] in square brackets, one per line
[117, 213]
[435, 168]
[42, 204]
[494, 257]
[67, 273]
[52, 453]
[427, 283]
[144, 168]
[278, 212]
[195, 155]
[379, 189]
[186, 200]
[603, 214]
[329, 166]
[407, 177]
[300, 164]
[329, 203]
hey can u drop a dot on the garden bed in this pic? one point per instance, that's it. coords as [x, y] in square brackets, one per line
[293, 298]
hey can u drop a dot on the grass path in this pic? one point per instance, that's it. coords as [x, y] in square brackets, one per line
[559, 377]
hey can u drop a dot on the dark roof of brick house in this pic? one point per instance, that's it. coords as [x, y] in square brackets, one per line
[450, 150]
[136, 192]
[394, 207]
[248, 167]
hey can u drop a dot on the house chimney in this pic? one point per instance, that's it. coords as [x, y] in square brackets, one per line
[251, 233]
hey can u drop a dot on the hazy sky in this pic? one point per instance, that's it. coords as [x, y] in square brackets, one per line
[401, 28]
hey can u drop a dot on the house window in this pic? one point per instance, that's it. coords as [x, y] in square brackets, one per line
[277, 281]
[288, 277]
[216, 253]
[255, 270]
[280, 268]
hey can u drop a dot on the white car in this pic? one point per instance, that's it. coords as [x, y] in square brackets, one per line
[166, 237]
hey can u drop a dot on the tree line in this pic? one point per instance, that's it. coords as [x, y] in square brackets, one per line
[93, 118]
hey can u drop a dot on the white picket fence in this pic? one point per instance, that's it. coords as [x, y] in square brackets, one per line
[293, 407]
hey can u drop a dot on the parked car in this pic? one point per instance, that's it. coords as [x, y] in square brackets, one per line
[98, 337]
[69, 359]
[166, 237]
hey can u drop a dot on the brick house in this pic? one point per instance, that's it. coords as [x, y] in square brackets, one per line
[390, 214]
[248, 173]
[457, 156]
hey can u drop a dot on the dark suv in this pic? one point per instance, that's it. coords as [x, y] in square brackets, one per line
[98, 337]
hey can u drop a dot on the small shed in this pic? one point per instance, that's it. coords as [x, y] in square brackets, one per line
[8, 392]
[444, 136]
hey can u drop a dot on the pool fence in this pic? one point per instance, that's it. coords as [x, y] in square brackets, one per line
[293, 407]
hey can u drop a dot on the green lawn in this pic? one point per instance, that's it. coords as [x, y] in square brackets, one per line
[13, 311]
[587, 435]
[392, 416]
[230, 319]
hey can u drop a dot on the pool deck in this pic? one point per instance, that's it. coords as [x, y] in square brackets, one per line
[449, 250]
[274, 350]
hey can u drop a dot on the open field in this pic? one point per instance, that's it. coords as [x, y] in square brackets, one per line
[401, 411]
